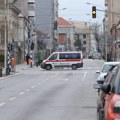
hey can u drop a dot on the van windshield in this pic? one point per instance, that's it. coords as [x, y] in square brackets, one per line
[53, 57]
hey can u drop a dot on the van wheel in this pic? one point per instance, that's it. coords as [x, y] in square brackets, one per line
[48, 67]
[74, 67]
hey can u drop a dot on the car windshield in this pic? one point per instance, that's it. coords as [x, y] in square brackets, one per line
[107, 68]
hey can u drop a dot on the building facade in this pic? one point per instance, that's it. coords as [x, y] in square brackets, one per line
[66, 35]
[112, 17]
[46, 21]
[84, 36]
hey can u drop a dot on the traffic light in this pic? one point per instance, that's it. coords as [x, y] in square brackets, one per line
[93, 11]
[32, 45]
[55, 25]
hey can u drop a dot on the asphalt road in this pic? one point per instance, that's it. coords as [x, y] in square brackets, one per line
[62, 94]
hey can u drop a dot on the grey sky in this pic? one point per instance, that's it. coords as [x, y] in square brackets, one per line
[77, 10]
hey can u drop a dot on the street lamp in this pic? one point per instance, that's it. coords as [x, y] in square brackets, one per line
[5, 34]
[95, 5]
[63, 9]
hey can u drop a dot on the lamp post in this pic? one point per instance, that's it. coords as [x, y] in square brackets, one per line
[95, 5]
[62, 9]
[5, 33]
[22, 29]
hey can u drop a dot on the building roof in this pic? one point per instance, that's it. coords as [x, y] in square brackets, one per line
[63, 22]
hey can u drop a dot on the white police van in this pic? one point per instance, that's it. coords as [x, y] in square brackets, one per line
[71, 59]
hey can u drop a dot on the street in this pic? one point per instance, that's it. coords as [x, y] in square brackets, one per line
[62, 94]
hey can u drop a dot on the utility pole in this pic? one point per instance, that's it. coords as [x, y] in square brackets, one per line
[5, 32]
[115, 54]
[30, 41]
[31, 17]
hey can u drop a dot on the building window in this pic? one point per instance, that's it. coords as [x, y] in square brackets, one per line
[31, 6]
[84, 42]
[119, 46]
[84, 36]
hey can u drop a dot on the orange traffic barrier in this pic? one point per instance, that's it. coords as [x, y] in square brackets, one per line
[29, 61]
[13, 61]
[13, 64]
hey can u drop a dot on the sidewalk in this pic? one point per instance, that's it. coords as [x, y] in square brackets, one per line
[18, 70]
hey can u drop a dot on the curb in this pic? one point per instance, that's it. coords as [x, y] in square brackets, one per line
[10, 76]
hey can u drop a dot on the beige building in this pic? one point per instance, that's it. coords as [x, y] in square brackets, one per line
[112, 17]
[83, 34]
[17, 28]
[66, 35]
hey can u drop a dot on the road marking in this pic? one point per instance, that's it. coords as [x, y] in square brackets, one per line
[1, 104]
[33, 87]
[59, 78]
[43, 81]
[21, 93]
[85, 73]
[27, 90]
[12, 98]
[53, 76]
[66, 79]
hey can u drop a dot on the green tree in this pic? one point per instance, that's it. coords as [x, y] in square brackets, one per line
[78, 44]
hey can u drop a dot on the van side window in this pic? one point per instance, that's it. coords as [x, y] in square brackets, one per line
[64, 56]
[75, 56]
[53, 57]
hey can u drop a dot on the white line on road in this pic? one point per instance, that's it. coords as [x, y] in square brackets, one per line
[43, 81]
[66, 79]
[1, 104]
[33, 87]
[21, 93]
[85, 73]
[12, 98]
[53, 76]
[27, 90]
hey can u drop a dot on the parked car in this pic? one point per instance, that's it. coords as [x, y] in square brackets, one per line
[102, 95]
[105, 69]
[112, 98]
[90, 56]
[96, 55]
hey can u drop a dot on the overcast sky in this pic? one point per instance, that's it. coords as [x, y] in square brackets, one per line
[77, 10]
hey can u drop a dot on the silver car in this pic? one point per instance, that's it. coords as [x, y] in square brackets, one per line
[96, 55]
[105, 69]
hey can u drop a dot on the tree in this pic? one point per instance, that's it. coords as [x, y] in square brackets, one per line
[95, 28]
[78, 44]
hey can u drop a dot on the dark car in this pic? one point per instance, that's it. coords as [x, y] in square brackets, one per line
[102, 95]
[112, 98]
[90, 56]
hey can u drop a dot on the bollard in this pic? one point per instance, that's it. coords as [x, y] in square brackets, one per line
[0, 72]
[7, 71]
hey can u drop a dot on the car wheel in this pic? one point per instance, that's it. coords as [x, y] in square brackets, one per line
[74, 67]
[48, 67]
[100, 115]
